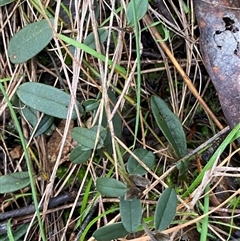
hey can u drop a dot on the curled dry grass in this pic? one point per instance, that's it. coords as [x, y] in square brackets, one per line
[184, 94]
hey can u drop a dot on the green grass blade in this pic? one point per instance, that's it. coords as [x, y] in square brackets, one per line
[9, 231]
[136, 30]
[204, 231]
[111, 210]
[231, 137]
[121, 70]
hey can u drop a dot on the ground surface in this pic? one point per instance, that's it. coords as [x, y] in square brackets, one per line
[170, 68]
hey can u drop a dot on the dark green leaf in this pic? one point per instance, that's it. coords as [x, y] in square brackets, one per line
[87, 137]
[29, 41]
[5, 2]
[79, 155]
[170, 125]
[147, 157]
[47, 99]
[20, 231]
[96, 10]
[110, 187]
[44, 125]
[29, 114]
[25, 111]
[117, 123]
[13, 182]
[90, 40]
[103, 132]
[131, 213]
[141, 9]
[90, 105]
[182, 166]
[110, 232]
[166, 209]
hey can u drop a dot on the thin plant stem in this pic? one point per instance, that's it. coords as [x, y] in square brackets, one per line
[28, 161]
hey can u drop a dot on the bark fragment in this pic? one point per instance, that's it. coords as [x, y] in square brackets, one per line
[219, 25]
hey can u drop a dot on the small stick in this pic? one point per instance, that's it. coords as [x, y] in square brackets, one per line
[31, 209]
[180, 70]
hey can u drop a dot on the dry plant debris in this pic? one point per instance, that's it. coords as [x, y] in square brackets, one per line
[54, 142]
[105, 80]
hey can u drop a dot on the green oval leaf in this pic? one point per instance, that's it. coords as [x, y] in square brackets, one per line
[147, 157]
[5, 2]
[47, 99]
[110, 232]
[79, 155]
[110, 187]
[90, 40]
[29, 41]
[13, 182]
[131, 213]
[170, 126]
[141, 9]
[166, 209]
[87, 137]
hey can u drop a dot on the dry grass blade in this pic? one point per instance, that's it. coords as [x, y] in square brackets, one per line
[170, 67]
